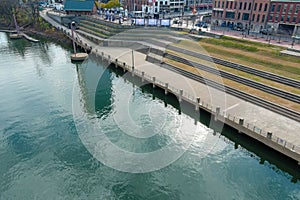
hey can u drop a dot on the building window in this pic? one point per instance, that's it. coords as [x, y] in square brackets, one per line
[271, 17]
[229, 15]
[297, 8]
[227, 4]
[273, 8]
[278, 8]
[231, 5]
[284, 8]
[266, 7]
[222, 4]
[282, 18]
[258, 17]
[245, 5]
[263, 18]
[276, 18]
[235, 4]
[249, 7]
[255, 6]
[253, 17]
[260, 7]
[288, 19]
[294, 19]
[241, 5]
[291, 8]
[239, 16]
[245, 16]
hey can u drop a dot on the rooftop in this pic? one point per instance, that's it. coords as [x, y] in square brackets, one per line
[285, 1]
[79, 5]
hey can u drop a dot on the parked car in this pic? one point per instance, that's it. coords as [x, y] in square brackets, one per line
[265, 31]
[200, 24]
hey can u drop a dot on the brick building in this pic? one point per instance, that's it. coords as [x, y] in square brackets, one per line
[284, 16]
[138, 5]
[199, 4]
[246, 14]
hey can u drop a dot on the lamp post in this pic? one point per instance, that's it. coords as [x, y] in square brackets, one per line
[293, 41]
[132, 55]
[250, 17]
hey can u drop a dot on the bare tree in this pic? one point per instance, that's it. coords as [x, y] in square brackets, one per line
[7, 8]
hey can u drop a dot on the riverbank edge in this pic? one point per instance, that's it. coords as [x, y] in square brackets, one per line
[49, 36]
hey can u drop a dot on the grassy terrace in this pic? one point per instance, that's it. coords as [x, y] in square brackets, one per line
[97, 30]
[241, 87]
[100, 26]
[257, 55]
[239, 73]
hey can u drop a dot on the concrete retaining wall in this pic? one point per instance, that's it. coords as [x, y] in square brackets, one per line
[234, 122]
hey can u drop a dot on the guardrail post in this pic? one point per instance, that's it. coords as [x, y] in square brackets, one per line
[102, 56]
[218, 109]
[180, 95]
[143, 74]
[132, 71]
[124, 67]
[166, 88]
[153, 80]
[269, 135]
[241, 123]
[197, 103]
[108, 59]
[116, 63]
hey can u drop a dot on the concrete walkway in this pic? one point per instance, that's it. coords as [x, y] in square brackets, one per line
[284, 128]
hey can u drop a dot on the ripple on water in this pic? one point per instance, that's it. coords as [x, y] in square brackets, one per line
[42, 156]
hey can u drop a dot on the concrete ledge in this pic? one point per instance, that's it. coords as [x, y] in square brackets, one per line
[291, 53]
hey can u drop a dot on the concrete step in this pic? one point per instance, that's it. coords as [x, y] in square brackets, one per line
[154, 58]
[103, 32]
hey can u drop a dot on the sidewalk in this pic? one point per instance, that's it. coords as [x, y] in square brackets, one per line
[258, 38]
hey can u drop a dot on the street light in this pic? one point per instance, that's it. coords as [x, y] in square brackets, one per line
[293, 41]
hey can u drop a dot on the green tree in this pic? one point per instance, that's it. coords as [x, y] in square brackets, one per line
[111, 4]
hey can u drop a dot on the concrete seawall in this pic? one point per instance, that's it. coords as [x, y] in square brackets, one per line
[285, 140]
[267, 138]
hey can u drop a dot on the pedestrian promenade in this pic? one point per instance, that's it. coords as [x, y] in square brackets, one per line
[258, 120]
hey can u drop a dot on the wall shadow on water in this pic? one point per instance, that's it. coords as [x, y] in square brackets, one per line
[251, 146]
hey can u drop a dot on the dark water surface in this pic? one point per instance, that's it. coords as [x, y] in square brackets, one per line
[47, 153]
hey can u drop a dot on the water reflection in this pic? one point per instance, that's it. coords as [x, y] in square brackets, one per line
[264, 155]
